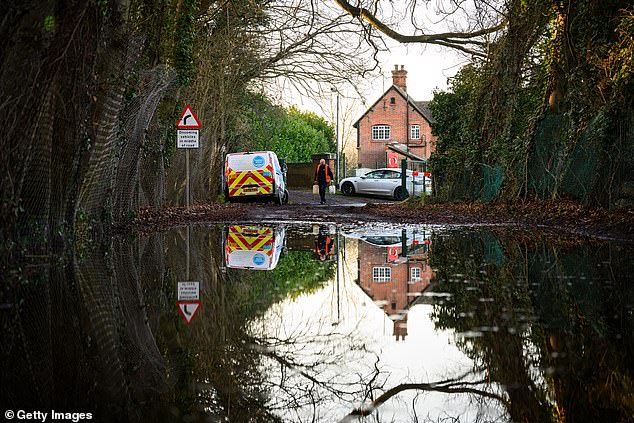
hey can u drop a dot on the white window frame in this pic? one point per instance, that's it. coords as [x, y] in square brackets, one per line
[414, 132]
[381, 274]
[416, 278]
[381, 132]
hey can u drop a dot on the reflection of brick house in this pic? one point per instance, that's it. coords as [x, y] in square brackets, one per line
[397, 123]
[393, 283]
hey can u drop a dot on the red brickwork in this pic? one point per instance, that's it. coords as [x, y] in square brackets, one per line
[393, 295]
[391, 109]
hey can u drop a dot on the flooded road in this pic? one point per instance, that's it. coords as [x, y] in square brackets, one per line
[323, 323]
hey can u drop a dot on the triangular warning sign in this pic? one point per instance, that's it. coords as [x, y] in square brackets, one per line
[188, 119]
[188, 309]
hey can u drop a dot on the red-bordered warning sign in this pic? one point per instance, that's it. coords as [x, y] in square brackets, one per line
[188, 119]
[392, 160]
[188, 309]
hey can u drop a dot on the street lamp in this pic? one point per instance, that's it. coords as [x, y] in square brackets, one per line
[334, 90]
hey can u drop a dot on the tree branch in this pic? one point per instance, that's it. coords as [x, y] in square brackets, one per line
[455, 40]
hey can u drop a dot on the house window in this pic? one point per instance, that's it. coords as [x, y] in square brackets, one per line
[381, 274]
[414, 132]
[380, 132]
[415, 274]
[392, 100]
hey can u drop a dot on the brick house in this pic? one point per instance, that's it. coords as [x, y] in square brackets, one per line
[395, 123]
[392, 281]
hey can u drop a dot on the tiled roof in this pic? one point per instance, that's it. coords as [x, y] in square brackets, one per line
[421, 106]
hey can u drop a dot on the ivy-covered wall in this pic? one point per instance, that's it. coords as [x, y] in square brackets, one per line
[548, 114]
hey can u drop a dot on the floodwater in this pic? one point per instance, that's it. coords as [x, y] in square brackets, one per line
[322, 323]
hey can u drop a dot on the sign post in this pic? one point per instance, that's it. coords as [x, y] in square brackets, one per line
[187, 137]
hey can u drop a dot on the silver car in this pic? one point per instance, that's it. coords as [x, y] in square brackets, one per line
[385, 182]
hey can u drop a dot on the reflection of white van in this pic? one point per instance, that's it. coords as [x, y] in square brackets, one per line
[253, 247]
[255, 176]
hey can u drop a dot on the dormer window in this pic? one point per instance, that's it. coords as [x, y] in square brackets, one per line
[380, 132]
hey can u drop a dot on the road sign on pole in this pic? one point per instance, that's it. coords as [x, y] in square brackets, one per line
[187, 138]
[189, 291]
[188, 119]
[188, 310]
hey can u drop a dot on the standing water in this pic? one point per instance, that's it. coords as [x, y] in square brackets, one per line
[320, 323]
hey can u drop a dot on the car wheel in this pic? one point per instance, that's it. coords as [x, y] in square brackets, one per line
[400, 194]
[347, 188]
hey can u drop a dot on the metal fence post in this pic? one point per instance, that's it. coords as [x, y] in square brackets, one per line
[404, 176]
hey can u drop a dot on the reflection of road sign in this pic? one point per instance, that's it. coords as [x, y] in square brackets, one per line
[188, 119]
[392, 160]
[392, 253]
[187, 138]
[188, 291]
[188, 309]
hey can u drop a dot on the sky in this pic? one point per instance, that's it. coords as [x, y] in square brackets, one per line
[428, 68]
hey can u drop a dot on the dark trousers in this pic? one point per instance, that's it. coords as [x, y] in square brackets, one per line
[322, 192]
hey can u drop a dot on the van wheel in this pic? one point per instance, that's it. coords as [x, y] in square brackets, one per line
[347, 188]
[285, 199]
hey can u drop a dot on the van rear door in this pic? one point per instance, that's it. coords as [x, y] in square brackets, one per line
[249, 174]
[250, 247]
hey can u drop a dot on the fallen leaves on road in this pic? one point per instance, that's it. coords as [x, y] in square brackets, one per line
[563, 214]
[157, 219]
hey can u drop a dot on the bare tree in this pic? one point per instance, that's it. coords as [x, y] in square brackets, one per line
[470, 22]
[312, 46]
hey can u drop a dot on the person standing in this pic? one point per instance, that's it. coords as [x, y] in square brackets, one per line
[323, 176]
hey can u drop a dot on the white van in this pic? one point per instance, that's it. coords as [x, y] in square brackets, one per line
[255, 176]
[253, 247]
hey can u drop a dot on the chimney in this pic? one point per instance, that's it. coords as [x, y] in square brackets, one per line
[399, 77]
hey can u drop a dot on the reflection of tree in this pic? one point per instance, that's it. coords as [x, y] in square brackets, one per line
[296, 273]
[543, 327]
[215, 364]
[448, 386]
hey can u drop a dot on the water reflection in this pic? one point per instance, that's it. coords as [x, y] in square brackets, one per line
[324, 323]
[253, 247]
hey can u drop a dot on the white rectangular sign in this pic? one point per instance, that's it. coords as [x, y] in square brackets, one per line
[187, 138]
[188, 291]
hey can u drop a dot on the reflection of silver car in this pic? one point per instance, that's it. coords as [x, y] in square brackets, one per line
[385, 182]
[394, 237]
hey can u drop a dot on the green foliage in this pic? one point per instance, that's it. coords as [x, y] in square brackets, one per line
[292, 134]
[49, 23]
[185, 31]
[493, 115]
[296, 273]
[509, 289]
[104, 7]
